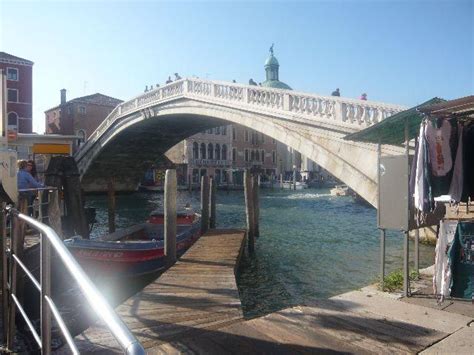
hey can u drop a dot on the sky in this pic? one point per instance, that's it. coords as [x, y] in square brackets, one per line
[399, 52]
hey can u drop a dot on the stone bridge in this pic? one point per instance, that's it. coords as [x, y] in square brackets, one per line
[138, 131]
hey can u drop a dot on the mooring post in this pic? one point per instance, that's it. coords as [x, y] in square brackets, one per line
[272, 182]
[111, 203]
[170, 216]
[190, 183]
[54, 212]
[249, 210]
[213, 191]
[16, 287]
[204, 204]
[4, 272]
[281, 181]
[256, 204]
[294, 177]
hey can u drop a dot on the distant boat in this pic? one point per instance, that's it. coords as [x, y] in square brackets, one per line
[299, 185]
[134, 251]
[151, 188]
[340, 190]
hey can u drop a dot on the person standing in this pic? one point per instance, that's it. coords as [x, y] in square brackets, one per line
[26, 182]
[363, 97]
[169, 80]
[336, 92]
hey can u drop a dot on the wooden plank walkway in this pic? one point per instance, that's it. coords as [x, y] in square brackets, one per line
[358, 322]
[198, 293]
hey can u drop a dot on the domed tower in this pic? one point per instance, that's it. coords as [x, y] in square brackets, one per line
[271, 69]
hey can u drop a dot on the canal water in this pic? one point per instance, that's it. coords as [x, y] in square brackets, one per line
[312, 245]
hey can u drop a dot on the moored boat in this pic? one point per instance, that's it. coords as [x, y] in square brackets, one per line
[340, 190]
[134, 251]
[299, 185]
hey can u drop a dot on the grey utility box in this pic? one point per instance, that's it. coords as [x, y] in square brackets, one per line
[393, 212]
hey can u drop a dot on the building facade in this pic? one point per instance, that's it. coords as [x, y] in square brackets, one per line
[19, 74]
[79, 116]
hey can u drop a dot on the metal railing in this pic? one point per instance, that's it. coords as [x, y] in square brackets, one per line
[12, 260]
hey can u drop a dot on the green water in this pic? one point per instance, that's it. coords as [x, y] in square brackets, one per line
[312, 245]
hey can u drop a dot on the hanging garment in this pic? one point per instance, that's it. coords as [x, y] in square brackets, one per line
[457, 180]
[461, 256]
[419, 184]
[439, 148]
[442, 271]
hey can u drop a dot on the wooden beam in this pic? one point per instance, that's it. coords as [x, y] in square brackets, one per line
[170, 216]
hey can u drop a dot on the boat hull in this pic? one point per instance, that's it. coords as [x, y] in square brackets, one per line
[136, 254]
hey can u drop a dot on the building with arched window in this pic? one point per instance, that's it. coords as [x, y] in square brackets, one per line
[19, 73]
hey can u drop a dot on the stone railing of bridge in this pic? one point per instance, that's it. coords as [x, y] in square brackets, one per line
[330, 110]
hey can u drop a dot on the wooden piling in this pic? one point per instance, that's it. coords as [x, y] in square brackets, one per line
[249, 210]
[4, 271]
[54, 213]
[281, 181]
[256, 204]
[213, 191]
[111, 204]
[204, 204]
[190, 183]
[294, 178]
[170, 216]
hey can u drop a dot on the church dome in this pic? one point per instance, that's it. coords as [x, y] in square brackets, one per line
[271, 69]
[271, 60]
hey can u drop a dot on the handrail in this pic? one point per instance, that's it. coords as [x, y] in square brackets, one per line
[103, 310]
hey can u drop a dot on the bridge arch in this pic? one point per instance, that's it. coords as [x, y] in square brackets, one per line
[134, 135]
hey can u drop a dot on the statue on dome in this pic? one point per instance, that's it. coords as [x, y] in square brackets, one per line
[271, 48]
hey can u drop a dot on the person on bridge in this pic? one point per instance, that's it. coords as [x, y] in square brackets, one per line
[251, 82]
[176, 76]
[363, 97]
[169, 80]
[336, 93]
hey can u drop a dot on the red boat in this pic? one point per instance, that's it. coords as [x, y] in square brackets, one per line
[134, 251]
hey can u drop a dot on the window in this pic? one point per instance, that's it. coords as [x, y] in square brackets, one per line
[12, 74]
[12, 95]
[12, 120]
[195, 150]
[82, 110]
[82, 137]
[210, 152]
[218, 130]
[274, 141]
[246, 155]
[274, 157]
[234, 135]
[252, 155]
[203, 151]
[263, 156]
[69, 110]
[209, 131]
[253, 138]
[224, 130]
[224, 152]
[263, 138]
[246, 135]
[218, 152]
[234, 154]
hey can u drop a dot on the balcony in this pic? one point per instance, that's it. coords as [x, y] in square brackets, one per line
[210, 162]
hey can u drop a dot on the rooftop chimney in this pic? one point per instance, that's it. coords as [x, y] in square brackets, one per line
[63, 96]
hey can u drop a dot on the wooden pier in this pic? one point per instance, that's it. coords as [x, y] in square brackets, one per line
[198, 293]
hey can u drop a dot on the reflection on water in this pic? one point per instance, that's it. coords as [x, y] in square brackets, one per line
[312, 245]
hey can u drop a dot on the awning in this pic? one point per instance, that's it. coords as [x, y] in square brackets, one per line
[463, 107]
[392, 129]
